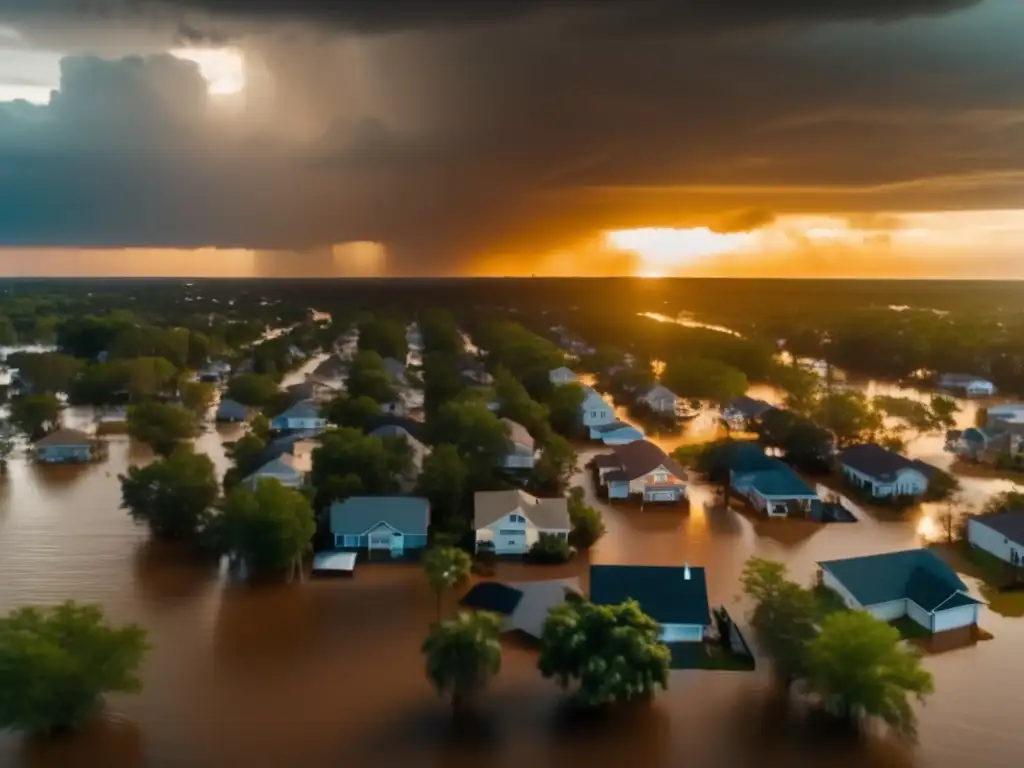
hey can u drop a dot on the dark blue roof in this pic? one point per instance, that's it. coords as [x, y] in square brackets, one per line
[492, 596]
[668, 594]
[229, 409]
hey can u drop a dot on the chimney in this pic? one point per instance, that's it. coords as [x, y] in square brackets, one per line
[686, 571]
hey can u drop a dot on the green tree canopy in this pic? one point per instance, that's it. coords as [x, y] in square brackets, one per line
[367, 377]
[347, 462]
[161, 426]
[515, 403]
[56, 663]
[480, 436]
[446, 568]
[45, 372]
[463, 654]
[556, 466]
[587, 522]
[564, 409]
[802, 387]
[35, 415]
[172, 496]
[704, 379]
[440, 333]
[197, 396]
[270, 528]
[355, 412]
[443, 480]
[251, 389]
[246, 455]
[385, 336]
[848, 415]
[611, 652]
[148, 376]
[860, 663]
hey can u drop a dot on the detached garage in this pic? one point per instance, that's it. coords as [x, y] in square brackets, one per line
[914, 583]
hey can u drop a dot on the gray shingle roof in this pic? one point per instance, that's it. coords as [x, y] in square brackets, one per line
[880, 463]
[1010, 524]
[356, 515]
[546, 514]
[301, 410]
[668, 594]
[642, 456]
[62, 437]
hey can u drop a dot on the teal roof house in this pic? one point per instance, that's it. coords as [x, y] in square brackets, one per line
[771, 486]
[912, 583]
[65, 446]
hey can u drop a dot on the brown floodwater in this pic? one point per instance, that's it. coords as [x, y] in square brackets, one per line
[329, 673]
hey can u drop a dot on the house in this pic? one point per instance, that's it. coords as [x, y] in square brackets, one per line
[214, 372]
[395, 370]
[972, 442]
[413, 427]
[562, 375]
[1007, 413]
[742, 411]
[914, 583]
[595, 410]
[882, 473]
[312, 389]
[380, 523]
[299, 445]
[305, 414]
[512, 521]
[522, 605]
[641, 469]
[674, 596]
[65, 446]
[284, 469]
[419, 450]
[972, 386]
[231, 411]
[413, 337]
[1000, 534]
[395, 406]
[523, 450]
[660, 399]
[775, 489]
[616, 433]
[999, 438]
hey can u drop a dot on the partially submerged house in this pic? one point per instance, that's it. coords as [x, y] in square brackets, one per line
[66, 446]
[523, 448]
[971, 386]
[562, 375]
[284, 468]
[522, 605]
[304, 415]
[392, 524]
[510, 522]
[229, 410]
[772, 487]
[741, 412]
[661, 400]
[1000, 439]
[674, 596]
[641, 469]
[882, 473]
[1000, 534]
[914, 583]
[616, 433]
[595, 411]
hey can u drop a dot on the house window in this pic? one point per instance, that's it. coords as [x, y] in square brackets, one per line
[593, 414]
[661, 477]
[505, 532]
[517, 518]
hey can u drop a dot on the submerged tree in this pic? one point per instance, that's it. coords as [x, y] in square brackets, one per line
[861, 668]
[446, 568]
[463, 654]
[56, 663]
[612, 652]
[173, 496]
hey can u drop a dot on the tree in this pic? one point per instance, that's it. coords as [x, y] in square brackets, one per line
[480, 436]
[260, 427]
[446, 568]
[550, 549]
[801, 386]
[367, 377]
[251, 389]
[8, 336]
[442, 381]
[1006, 501]
[514, 403]
[612, 652]
[148, 376]
[6, 445]
[916, 415]
[587, 522]
[35, 415]
[197, 396]
[172, 496]
[56, 663]
[859, 664]
[564, 409]
[556, 465]
[161, 426]
[443, 481]
[347, 462]
[101, 384]
[355, 412]
[848, 415]
[45, 372]
[463, 654]
[246, 454]
[943, 412]
[941, 486]
[783, 618]
[384, 336]
[270, 528]
[703, 379]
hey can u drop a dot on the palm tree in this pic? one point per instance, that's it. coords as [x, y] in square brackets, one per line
[446, 567]
[463, 654]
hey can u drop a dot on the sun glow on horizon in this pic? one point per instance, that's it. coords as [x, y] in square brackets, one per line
[662, 249]
[222, 68]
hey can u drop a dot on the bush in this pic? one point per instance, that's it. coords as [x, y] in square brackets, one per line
[587, 522]
[550, 550]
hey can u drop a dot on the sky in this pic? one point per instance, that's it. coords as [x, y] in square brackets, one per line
[793, 138]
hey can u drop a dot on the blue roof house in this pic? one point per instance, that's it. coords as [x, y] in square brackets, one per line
[616, 433]
[230, 410]
[914, 583]
[772, 487]
[65, 446]
[305, 414]
[674, 596]
[392, 524]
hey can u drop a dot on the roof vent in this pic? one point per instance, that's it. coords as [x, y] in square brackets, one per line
[686, 571]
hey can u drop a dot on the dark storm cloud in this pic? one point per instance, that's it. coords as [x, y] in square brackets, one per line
[459, 141]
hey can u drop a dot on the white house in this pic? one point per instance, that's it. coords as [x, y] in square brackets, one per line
[972, 386]
[1001, 534]
[512, 521]
[284, 469]
[882, 473]
[913, 583]
[660, 399]
[641, 469]
[305, 414]
[562, 375]
[595, 410]
[523, 451]
[674, 596]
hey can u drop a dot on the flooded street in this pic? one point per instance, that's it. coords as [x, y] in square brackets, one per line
[329, 673]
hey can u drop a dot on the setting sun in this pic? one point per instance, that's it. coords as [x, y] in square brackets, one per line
[222, 68]
[665, 248]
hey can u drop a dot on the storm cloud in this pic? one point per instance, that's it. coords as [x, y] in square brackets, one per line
[450, 131]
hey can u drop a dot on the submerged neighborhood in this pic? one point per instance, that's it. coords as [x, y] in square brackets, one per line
[496, 456]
